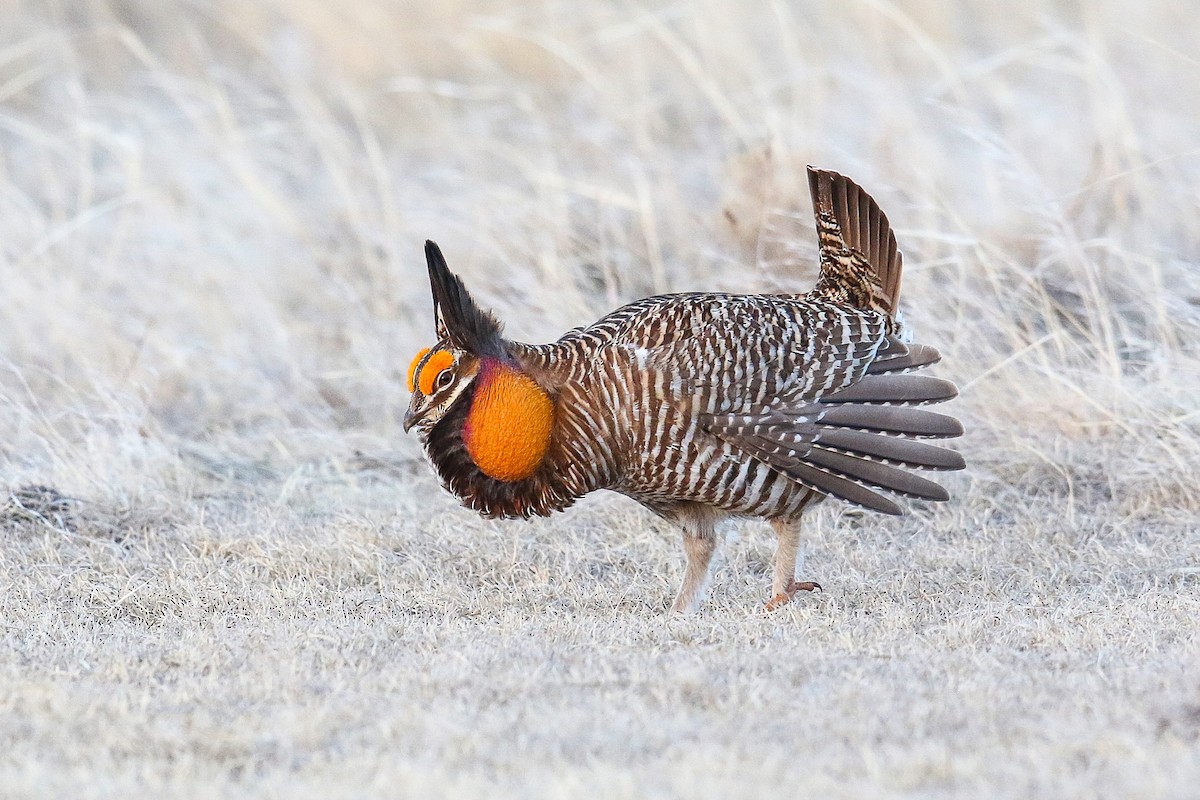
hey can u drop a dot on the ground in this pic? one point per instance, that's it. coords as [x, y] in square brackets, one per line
[224, 570]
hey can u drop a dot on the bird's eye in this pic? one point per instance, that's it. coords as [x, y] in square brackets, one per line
[444, 378]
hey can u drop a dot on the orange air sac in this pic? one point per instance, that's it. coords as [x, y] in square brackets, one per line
[507, 431]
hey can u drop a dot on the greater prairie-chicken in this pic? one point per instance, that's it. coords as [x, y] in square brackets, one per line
[700, 406]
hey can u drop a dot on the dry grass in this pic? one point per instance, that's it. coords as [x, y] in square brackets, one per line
[239, 578]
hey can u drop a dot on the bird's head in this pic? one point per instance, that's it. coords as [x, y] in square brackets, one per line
[507, 427]
[437, 377]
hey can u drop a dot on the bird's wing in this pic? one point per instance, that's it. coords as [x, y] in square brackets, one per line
[854, 442]
[742, 354]
[819, 393]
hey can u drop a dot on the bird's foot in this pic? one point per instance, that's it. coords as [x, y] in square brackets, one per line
[783, 598]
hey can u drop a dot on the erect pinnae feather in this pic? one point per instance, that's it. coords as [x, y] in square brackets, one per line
[460, 320]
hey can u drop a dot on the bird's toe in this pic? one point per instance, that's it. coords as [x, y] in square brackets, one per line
[777, 602]
[781, 599]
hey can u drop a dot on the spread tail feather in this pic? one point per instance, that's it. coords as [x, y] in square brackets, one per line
[860, 260]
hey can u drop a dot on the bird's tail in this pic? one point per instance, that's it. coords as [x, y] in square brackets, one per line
[860, 262]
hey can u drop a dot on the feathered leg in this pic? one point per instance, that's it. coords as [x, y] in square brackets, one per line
[785, 584]
[699, 544]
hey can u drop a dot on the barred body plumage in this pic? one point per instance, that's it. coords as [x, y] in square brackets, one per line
[699, 405]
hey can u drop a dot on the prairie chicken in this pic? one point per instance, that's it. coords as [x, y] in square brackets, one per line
[700, 406]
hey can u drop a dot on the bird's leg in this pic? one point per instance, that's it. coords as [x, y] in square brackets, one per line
[785, 584]
[699, 543]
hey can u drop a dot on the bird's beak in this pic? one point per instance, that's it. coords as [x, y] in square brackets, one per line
[410, 419]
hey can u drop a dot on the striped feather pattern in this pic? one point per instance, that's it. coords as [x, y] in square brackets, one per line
[744, 403]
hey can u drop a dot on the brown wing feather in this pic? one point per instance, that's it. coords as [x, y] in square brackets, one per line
[839, 445]
[895, 388]
[904, 358]
[826, 481]
[892, 420]
[890, 449]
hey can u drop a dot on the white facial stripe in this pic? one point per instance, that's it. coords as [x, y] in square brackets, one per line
[429, 409]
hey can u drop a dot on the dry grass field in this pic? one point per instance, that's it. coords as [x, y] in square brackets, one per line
[239, 578]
